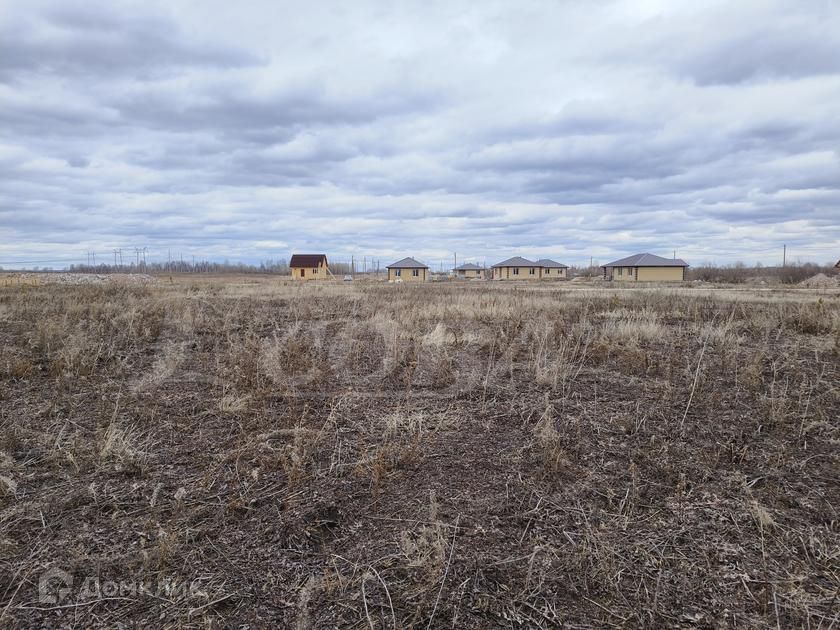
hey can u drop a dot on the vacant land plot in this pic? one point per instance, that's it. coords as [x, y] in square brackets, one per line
[452, 456]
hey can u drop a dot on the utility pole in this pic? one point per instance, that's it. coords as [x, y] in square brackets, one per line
[784, 255]
[456, 261]
[115, 258]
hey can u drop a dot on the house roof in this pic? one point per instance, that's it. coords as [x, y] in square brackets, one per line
[469, 267]
[647, 260]
[407, 263]
[307, 260]
[838, 264]
[550, 264]
[516, 261]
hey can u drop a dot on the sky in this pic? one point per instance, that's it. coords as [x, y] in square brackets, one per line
[574, 130]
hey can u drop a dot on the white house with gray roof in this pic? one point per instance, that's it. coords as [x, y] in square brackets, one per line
[646, 268]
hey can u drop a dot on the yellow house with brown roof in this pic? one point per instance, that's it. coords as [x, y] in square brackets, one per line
[309, 267]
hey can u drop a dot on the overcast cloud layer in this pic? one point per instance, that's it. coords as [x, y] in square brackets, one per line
[560, 128]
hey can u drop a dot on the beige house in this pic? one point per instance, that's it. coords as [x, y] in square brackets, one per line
[517, 268]
[469, 271]
[309, 267]
[646, 268]
[407, 270]
[552, 270]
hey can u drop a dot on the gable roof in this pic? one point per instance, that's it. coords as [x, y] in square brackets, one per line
[647, 260]
[307, 260]
[469, 267]
[516, 261]
[407, 263]
[547, 263]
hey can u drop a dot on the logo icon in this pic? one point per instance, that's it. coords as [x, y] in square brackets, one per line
[54, 586]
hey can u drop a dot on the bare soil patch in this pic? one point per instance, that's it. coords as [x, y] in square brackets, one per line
[203, 453]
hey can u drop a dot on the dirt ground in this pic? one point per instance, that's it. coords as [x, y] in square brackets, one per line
[249, 452]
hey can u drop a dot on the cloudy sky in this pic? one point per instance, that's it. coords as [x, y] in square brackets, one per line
[563, 128]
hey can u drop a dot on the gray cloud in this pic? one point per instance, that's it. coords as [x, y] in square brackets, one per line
[769, 51]
[567, 130]
[95, 41]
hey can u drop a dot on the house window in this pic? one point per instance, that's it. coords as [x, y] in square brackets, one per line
[415, 272]
[397, 272]
[516, 271]
[314, 271]
[302, 273]
[546, 271]
[620, 270]
[531, 271]
[630, 271]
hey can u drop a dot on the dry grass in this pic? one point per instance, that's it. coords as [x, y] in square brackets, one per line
[380, 456]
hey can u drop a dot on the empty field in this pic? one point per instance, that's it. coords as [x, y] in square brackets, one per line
[450, 456]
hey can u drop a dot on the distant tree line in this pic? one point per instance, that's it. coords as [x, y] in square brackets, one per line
[736, 273]
[183, 266]
[280, 267]
[739, 272]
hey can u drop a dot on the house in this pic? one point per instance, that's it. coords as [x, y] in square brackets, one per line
[837, 265]
[646, 268]
[516, 268]
[553, 270]
[309, 267]
[469, 271]
[407, 270]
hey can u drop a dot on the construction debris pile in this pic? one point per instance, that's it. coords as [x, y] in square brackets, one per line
[821, 281]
